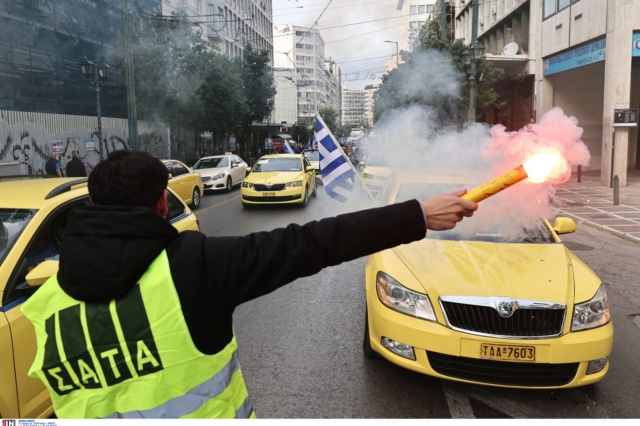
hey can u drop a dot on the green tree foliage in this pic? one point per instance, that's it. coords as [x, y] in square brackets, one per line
[343, 131]
[258, 85]
[301, 132]
[447, 105]
[330, 117]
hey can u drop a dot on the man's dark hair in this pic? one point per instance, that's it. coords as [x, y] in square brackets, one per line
[128, 178]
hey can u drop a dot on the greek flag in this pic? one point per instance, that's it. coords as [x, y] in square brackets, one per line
[315, 140]
[287, 147]
[337, 173]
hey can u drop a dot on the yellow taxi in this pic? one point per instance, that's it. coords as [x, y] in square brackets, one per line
[185, 183]
[279, 179]
[313, 155]
[486, 305]
[28, 209]
[375, 171]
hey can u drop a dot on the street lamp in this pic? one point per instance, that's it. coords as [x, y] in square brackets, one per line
[397, 54]
[96, 75]
[471, 57]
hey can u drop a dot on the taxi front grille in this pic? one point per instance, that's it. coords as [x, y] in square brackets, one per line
[532, 323]
[275, 187]
[502, 372]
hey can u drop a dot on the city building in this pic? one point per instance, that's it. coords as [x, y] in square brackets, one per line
[414, 15]
[357, 107]
[580, 55]
[371, 90]
[316, 79]
[228, 25]
[285, 106]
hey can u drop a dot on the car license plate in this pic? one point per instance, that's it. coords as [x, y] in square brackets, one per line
[268, 194]
[507, 352]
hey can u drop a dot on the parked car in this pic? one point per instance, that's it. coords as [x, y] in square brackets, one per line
[184, 182]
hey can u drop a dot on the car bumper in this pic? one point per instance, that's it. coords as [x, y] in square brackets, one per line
[438, 347]
[286, 196]
[215, 185]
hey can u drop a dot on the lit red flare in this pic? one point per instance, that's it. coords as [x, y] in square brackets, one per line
[496, 185]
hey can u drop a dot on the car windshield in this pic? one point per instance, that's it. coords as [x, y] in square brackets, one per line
[378, 160]
[12, 223]
[312, 155]
[278, 165]
[212, 163]
[492, 230]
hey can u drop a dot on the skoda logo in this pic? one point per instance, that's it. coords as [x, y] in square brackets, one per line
[505, 309]
[636, 44]
[268, 183]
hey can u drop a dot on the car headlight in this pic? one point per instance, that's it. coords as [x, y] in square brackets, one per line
[294, 184]
[394, 296]
[593, 313]
[218, 176]
[368, 176]
[206, 178]
[246, 184]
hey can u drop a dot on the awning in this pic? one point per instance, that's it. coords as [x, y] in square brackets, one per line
[506, 61]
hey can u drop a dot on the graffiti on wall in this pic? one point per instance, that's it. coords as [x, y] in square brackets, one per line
[31, 146]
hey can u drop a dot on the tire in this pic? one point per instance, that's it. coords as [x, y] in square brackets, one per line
[314, 194]
[305, 202]
[366, 342]
[229, 185]
[195, 199]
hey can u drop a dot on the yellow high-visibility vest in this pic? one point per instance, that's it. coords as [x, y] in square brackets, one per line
[131, 357]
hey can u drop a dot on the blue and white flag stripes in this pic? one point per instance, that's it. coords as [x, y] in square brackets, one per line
[315, 140]
[287, 147]
[337, 173]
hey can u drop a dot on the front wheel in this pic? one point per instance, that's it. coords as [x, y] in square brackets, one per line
[229, 185]
[315, 190]
[305, 201]
[195, 199]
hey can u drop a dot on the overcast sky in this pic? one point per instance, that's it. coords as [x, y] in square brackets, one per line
[366, 52]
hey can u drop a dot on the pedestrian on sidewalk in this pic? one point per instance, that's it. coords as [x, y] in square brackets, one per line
[138, 320]
[75, 168]
[52, 167]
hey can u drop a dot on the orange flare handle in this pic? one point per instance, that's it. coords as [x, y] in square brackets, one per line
[496, 185]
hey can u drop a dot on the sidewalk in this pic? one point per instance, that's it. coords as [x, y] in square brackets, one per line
[592, 204]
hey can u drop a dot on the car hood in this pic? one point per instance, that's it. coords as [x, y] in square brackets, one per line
[540, 272]
[273, 177]
[378, 171]
[211, 172]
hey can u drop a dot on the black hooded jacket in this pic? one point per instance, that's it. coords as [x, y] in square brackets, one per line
[106, 249]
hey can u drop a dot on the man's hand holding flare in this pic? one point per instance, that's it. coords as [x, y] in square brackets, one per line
[444, 211]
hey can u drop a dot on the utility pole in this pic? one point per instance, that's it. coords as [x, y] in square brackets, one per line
[443, 20]
[129, 74]
[471, 117]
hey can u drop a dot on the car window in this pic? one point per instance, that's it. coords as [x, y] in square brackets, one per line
[169, 166]
[44, 245]
[306, 163]
[179, 169]
[176, 207]
[312, 155]
[212, 163]
[278, 165]
[12, 223]
[237, 159]
[468, 230]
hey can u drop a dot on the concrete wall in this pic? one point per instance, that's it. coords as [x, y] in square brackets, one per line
[580, 93]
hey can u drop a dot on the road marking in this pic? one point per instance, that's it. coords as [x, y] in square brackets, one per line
[217, 205]
[457, 400]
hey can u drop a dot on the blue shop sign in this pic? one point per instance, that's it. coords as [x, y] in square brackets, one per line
[578, 57]
[636, 45]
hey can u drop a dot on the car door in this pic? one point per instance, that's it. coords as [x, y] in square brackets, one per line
[33, 397]
[239, 170]
[187, 181]
[311, 176]
[176, 182]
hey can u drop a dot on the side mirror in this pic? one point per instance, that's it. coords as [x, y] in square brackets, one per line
[170, 175]
[248, 170]
[234, 165]
[361, 164]
[310, 169]
[41, 273]
[564, 225]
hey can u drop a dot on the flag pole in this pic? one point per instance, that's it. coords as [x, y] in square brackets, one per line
[362, 184]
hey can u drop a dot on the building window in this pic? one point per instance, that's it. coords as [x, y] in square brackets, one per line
[422, 9]
[429, 8]
[553, 6]
[414, 10]
[413, 25]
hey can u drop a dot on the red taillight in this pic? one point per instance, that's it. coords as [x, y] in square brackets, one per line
[198, 223]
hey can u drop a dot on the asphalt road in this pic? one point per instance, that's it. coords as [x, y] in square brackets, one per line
[301, 346]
